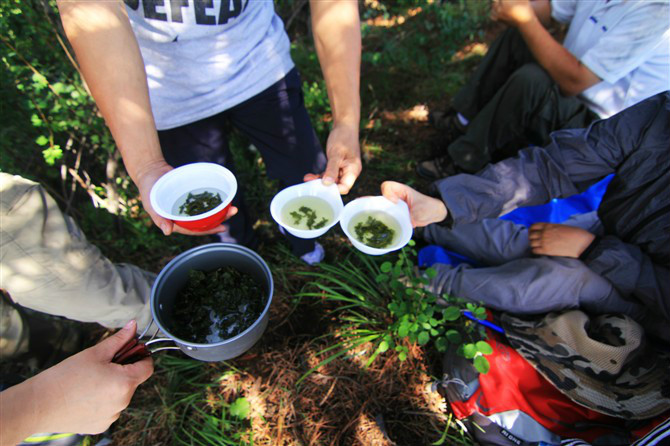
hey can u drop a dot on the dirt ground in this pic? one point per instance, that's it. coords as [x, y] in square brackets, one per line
[415, 58]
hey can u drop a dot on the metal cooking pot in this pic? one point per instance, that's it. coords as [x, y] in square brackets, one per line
[173, 278]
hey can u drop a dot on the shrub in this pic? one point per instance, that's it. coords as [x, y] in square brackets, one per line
[388, 305]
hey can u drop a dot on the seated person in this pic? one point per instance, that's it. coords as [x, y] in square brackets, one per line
[84, 393]
[617, 261]
[615, 54]
[47, 265]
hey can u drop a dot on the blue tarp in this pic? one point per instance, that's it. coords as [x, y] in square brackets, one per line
[556, 211]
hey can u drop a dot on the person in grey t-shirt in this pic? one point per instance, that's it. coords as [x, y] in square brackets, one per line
[168, 76]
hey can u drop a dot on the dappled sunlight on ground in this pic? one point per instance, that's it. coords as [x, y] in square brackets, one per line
[418, 113]
[469, 50]
[389, 22]
[341, 403]
[368, 432]
[414, 59]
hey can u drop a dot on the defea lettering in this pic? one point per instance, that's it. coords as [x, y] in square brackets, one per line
[228, 9]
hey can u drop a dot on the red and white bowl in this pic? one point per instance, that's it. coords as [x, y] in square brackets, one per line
[188, 178]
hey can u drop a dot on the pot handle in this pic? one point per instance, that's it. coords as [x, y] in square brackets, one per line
[134, 350]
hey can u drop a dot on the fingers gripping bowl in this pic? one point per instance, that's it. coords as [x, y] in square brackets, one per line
[375, 225]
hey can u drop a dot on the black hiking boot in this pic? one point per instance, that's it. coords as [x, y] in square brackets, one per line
[447, 123]
[437, 168]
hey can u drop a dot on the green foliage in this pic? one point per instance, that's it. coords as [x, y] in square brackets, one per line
[52, 130]
[198, 416]
[50, 104]
[481, 364]
[240, 408]
[389, 305]
[130, 240]
[412, 61]
[219, 426]
[318, 106]
[51, 126]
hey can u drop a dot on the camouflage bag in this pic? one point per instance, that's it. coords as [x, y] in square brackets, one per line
[516, 405]
[604, 363]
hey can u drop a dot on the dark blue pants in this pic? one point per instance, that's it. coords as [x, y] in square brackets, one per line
[277, 123]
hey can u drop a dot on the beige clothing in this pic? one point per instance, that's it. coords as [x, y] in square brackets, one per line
[47, 264]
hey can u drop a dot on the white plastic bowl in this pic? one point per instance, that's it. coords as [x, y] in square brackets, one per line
[173, 185]
[399, 211]
[314, 188]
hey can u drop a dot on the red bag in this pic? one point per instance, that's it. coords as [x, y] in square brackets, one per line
[514, 404]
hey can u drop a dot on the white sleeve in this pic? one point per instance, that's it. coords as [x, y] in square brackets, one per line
[563, 10]
[630, 43]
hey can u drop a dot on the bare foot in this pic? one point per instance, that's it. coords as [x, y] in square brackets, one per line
[558, 240]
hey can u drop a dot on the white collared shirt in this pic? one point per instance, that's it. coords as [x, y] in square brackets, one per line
[624, 42]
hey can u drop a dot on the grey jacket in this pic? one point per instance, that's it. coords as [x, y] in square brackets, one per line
[634, 253]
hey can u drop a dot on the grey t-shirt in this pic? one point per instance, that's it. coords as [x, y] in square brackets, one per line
[205, 56]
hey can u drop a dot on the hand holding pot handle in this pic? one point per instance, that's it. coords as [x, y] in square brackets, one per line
[131, 352]
[134, 350]
[84, 393]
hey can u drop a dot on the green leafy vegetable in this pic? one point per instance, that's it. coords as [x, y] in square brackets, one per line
[196, 204]
[216, 305]
[374, 233]
[311, 216]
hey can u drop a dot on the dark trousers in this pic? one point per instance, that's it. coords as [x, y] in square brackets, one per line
[277, 123]
[511, 102]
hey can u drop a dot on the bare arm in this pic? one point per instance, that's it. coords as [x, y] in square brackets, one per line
[85, 393]
[337, 35]
[542, 9]
[566, 70]
[110, 60]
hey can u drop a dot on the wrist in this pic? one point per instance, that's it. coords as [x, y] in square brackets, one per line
[20, 412]
[589, 247]
[441, 214]
[148, 169]
[349, 122]
[527, 21]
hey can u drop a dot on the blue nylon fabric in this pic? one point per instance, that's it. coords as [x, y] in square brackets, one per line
[556, 211]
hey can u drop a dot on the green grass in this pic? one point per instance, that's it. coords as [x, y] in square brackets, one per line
[190, 403]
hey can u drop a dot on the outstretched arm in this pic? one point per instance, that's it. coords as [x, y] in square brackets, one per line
[337, 35]
[83, 394]
[110, 60]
